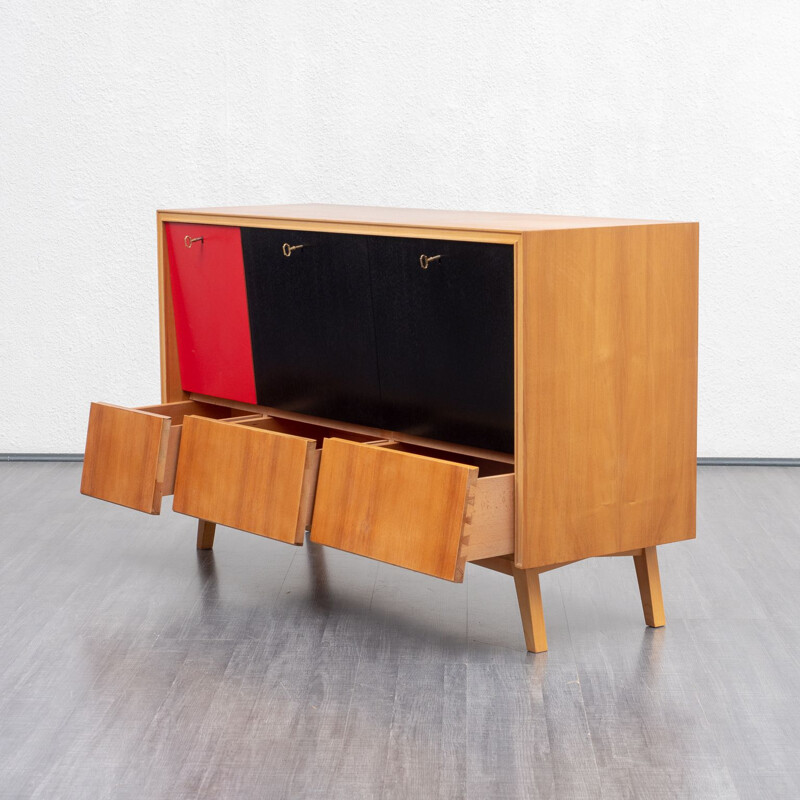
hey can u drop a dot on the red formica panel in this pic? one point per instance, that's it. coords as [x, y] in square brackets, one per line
[211, 318]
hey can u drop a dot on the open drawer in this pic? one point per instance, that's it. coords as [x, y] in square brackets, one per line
[258, 475]
[418, 508]
[131, 453]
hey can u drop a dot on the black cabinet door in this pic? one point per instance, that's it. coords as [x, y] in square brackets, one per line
[311, 323]
[445, 338]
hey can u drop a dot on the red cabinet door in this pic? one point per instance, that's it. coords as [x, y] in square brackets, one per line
[212, 324]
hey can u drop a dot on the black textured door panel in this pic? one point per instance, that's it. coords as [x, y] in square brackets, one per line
[311, 324]
[445, 339]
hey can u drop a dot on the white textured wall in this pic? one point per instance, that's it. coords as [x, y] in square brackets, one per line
[671, 110]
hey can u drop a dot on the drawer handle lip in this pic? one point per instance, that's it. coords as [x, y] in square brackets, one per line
[188, 240]
[424, 260]
[288, 249]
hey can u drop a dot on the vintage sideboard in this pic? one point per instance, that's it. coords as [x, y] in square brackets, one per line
[425, 388]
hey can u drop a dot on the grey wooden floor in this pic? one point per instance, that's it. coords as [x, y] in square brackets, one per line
[132, 666]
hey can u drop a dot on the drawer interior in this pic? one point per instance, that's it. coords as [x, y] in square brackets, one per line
[306, 430]
[177, 412]
[486, 466]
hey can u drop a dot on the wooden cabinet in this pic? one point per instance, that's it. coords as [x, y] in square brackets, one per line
[420, 387]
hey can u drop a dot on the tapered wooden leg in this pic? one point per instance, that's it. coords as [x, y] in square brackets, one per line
[205, 534]
[529, 595]
[650, 587]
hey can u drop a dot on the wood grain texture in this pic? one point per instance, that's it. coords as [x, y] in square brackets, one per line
[125, 456]
[176, 412]
[396, 507]
[244, 477]
[491, 529]
[529, 598]
[171, 459]
[309, 494]
[649, 579]
[414, 217]
[606, 394]
[142, 480]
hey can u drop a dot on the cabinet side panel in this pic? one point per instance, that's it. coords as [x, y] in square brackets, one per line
[607, 391]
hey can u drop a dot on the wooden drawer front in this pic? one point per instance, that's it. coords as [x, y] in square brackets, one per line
[397, 507]
[212, 324]
[131, 452]
[246, 477]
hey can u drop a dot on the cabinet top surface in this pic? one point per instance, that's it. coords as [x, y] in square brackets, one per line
[416, 217]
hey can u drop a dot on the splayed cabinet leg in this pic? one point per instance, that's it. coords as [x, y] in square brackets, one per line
[529, 595]
[205, 534]
[650, 587]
